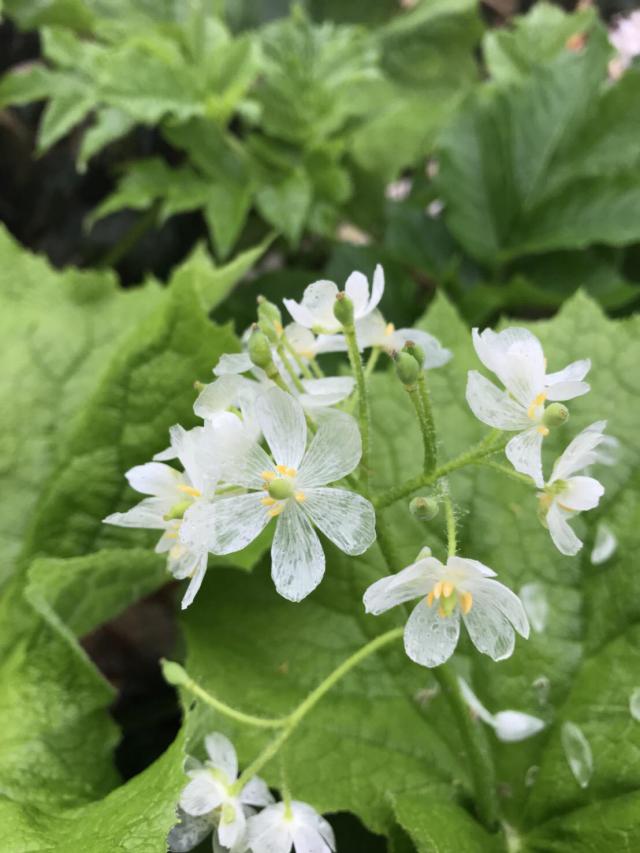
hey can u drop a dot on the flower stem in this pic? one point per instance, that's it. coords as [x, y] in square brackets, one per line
[316, 369]
[176, 675]
[452, 543]
[296, 716]
[363, 401]
[488, 446]
[304, 369]
[430, 460]
[426, 428]
[289, 368]
[508, 472]
[482, 769]
[374, 355]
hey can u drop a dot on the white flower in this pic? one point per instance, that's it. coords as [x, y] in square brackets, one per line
[281, 826]
[308, 345]
[226, 392]
[174, 493]
[316, 309]
[211, 792]
[565, 495]
[461, 589]
[509, 726]
[374, 331]
[517, 359]
[291, 487]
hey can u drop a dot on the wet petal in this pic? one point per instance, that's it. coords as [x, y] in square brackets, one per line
[334, 452]
[346, 518]
[413, 582]
[562, 535]
[297, 558]
[430, 639]
[524, 451]
[282, 422]
[226, 525]
[222, 755]
[493, 406]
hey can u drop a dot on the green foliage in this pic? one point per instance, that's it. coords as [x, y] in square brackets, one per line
[388, 733]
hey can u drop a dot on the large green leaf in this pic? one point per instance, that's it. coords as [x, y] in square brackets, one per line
[381, 733]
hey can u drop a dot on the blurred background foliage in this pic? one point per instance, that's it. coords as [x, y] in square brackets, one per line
[490, 151]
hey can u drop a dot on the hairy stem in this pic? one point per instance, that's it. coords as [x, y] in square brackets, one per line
[426, 429]
[508, 472]
[431, 458]
[363, 400]
[289, 368]
[452, 543]
[295, 718]
[482, 769]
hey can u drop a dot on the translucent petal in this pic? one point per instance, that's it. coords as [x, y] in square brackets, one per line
[562, 535]
[634, 704]
[233, 363]
[377, 288]
[605, 544]
[516, 357]
[189, 832]
[492, 593]
[201, 795]
[567, 390]
[227, 391]
[513, 726]
[149, 513]
[475, 567]
[496, 611]
[243, 464]
[225, 526]
[283, 425]
[326, 392]
[371, 331]
[196, 581]
[318, 299]
[230, 832]
[297, 558]
[301, 339]
[581, 493]
[435, 355]
[346, 518]
[357, 289]
[196, 450]
[574, 372]
[305, 814]
[330, 343]
[524, 451]
[307, 839]
[155, 479]
[474, 704]
[493, 406]
[267, 832]
[577, 752]
[536, 605]
[430, 639]
[256, 793]
[334, 452]
[222, 755]
[413, 582]
[300, 313]
[580, 452]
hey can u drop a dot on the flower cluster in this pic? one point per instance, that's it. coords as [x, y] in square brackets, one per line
[242, 816]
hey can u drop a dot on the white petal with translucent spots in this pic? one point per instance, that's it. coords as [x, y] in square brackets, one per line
[346, 518]
[524, 451]
[222, 755]
[316, 308]
[430, 639]
[377, 288]
[202, 794]
[464, 564]
[493, 406]
[149, 513]
[196, 581]
[334, 452]
[415, 581]
[233, 363]
[490, 630]
[562, 535]
[225, 526]
[283, 425]
[297, 558]
[326, 391]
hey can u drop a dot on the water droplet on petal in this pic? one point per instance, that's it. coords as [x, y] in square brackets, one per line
[542, 687]
[578, 753]
[531, 775]
[634, 704]
[535, 603]
[605, 544]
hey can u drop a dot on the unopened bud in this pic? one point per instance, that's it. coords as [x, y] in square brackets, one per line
[269, 319]
[407, 368]
[424, 508]
[173, 673]
[555, 415]
[260, 349]
[343, 309]
[416, 351]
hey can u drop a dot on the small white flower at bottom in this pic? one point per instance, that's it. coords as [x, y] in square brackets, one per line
[282, 826]
[564, 496]
[462, 590]
[374, 331]
[211, 792]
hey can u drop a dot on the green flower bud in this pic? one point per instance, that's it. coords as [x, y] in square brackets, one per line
[173, 673]
[269, 319]
[343, 309]
[281, 489]
[260, 349]
[416, 351]
[424, 508]
[555, 415]
[407, 368]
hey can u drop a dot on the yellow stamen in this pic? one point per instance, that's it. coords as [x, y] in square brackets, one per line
[543, 430]
[538, 401]
[286, 471]
[172, 535]
[267, 501]
[430, 598]
[466, 602]
[437, 590]
[268, 475]
[276, 510]
[390, 329]
[300, 496]
[447, 589]
[190, 490]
